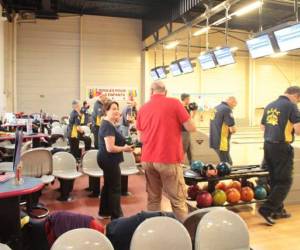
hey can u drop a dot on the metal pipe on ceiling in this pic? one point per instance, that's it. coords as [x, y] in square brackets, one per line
[215, 10]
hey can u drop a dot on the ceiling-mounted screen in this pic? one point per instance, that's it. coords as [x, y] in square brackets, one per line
[260, 46]
[224, 56]
[207, 61]
[186, 65]
[154, 74]
[175, 69]
[161, 72]
[288, 38]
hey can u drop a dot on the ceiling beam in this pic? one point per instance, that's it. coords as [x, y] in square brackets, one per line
[213, 11]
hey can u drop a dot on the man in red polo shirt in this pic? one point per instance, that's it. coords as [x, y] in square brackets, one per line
[160, 123]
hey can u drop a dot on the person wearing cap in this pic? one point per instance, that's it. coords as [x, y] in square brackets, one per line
[186, 137]
[280, 121]
[97, 116]
[128, 117]
[84, 115]
[159, 123]
[222, 125]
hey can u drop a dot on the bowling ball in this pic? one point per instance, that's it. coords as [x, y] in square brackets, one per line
[236, 184]
[219, 197]
[221, 186]
[211, 170]
[204, 199]
[249, 184]
[260, 193]
[193, 191]
[128, 140]
[247, 194]
[193, 106]
[233, 195]
[223, 169]
[197, 166]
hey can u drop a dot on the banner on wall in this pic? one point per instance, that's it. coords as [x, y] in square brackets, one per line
[113, 93]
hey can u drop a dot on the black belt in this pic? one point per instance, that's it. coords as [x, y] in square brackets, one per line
[277, 142]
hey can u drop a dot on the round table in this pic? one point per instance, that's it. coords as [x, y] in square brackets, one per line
[10, 194]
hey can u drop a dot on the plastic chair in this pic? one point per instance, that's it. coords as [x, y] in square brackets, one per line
[6, 166]
[26, 146]
[90, 165]
[55, 124]
[82, 238]
[64, 166]
[128, 167]
[87, 130]
[4, 247]
[58, 130]
[222, 230]
[161, 233]
[61, 143]
[192, 220]
[37, 163]
[65, 129]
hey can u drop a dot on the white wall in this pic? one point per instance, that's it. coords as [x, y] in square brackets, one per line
[48, 65]
[58, 60]
[2, 96]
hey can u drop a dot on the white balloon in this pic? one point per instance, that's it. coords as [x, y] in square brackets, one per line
[82, 239]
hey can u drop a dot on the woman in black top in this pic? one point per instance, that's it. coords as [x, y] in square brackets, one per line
[110, 155]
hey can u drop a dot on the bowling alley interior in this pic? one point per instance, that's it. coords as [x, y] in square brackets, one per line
[149, 125]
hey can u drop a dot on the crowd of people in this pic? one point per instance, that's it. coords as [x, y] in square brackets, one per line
[164, 125]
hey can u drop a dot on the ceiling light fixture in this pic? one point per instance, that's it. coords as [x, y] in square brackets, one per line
[201, 31]
[279, 54]
[171, 45]
[248, 8]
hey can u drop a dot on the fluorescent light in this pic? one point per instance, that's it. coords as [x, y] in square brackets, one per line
[171, 45]
[201, 31]
[233, 49]
[219, 47]
[279, 54]
[220, 21]
[248, 8]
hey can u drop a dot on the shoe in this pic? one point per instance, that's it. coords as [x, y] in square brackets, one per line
[283, 214]
[61, 198]
[267, 216]
[93, 195]
[103, 217]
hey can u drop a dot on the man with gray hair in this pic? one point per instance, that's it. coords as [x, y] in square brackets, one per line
[222, 125]
[280, 121]
[159, 123]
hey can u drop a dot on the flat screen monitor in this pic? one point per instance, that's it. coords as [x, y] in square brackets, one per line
[175, 69]
[161, 72]
[224, 56]
[154, 74]
[288, 38]
[186, 65]
[260, 46]
[207, 61]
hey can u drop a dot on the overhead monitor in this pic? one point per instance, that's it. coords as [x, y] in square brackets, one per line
[161, 72]
[224, 56]
[175, 69]
[207, 61]
[260, 46]
[154, 74]
[186, 65]
[288, 38]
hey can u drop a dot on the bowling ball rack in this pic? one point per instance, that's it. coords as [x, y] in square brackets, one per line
[243, 173]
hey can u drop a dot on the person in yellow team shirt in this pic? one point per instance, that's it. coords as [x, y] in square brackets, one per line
[222, 125]
[97, 115]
